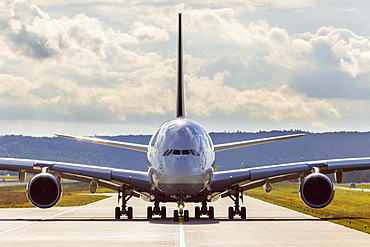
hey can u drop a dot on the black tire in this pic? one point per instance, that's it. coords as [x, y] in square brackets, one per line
[130, 213]
[197, 212]
[211, 212]
[149, 213]
[117, 213]
[163, 212]
[175, 215]
[231, 213]
[243, 213]
[186, 215]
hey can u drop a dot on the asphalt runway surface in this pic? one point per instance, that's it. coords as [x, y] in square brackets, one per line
[94, 225]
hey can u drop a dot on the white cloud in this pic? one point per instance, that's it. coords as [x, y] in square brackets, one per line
[144, 32]
[116, 64]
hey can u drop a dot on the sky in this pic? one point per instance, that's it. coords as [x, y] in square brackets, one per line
[88, 67]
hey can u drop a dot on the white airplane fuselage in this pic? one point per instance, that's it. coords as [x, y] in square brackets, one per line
[180, 156]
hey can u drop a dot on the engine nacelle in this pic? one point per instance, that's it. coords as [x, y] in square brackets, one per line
[44, 190]
[316, 190]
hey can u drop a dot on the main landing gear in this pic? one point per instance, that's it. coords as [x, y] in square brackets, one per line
[204, 211]
[236, 194]
[156, 211]
[123, 210]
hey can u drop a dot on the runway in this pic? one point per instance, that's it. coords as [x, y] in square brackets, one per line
[94, 225]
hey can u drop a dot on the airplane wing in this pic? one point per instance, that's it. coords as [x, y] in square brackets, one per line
[107, 177]
[232, 145]
[126, 145]
[257, 176]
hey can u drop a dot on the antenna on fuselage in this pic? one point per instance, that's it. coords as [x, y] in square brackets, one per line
[180, 107]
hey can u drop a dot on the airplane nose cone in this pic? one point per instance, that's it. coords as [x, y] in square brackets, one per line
[181, 167]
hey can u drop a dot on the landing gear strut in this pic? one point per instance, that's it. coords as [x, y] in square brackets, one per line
[123, 210]
[181, 212]
[156, 211]
[204, 211]
[236, 194]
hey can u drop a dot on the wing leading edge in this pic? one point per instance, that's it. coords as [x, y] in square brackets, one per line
[108, 177]
[126, 145]
[232, 145]
[254, 177]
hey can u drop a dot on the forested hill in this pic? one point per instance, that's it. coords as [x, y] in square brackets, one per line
[313, 146]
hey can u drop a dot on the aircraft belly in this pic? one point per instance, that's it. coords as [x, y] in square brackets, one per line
[186, 185]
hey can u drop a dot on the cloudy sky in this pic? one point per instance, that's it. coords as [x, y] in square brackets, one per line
[88, 67]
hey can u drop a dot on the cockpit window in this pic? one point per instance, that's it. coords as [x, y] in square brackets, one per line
[180, 152]
[168, 152]
[193, 152]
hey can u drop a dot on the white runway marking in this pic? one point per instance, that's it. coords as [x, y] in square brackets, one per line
[94, 225]
[15, 228]
[54, 215]
[182, 235]
[33, 222]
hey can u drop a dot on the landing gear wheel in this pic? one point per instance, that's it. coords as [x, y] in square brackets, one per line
[231, 213]
[197, 212]
[211, 213]
[243, 213]
[186, 215]
[163, 212]
[129, 213]
[117, 213]
[176, 216]
[149, 213]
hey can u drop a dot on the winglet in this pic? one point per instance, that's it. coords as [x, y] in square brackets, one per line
[180, 107]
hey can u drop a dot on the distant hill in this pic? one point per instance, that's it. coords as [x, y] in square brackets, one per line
[313, 146]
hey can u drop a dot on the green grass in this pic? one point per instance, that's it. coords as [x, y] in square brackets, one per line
[358, 186]
[6, 178]
[348, 208]
[73, 195]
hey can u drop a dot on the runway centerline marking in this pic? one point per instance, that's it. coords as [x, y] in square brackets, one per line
[181, 233]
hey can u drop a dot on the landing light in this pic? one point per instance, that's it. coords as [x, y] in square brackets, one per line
[181, 205]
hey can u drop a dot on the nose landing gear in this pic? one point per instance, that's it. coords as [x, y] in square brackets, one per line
[181, 212]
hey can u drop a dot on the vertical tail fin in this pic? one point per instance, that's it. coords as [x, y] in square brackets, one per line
[180, 107]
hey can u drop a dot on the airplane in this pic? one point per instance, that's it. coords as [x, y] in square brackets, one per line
[181, 169]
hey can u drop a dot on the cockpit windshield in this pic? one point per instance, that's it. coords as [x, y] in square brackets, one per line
[180, 152]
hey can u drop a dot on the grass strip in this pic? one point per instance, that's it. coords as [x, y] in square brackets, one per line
[348, 208]
[73, 195]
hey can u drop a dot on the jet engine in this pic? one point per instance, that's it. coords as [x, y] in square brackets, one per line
[44, 190]
[316, 190]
